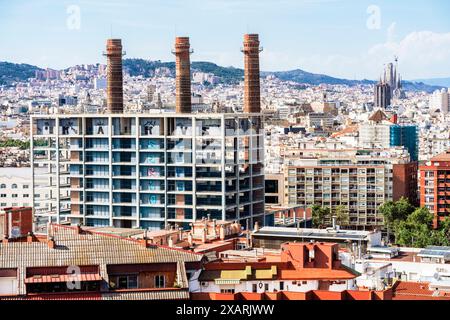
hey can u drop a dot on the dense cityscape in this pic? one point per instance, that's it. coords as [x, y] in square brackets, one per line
[135, 179]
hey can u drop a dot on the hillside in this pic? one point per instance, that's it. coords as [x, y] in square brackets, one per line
[13, 72]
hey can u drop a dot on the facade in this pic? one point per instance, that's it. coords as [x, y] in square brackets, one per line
[440, 100]
[382, 95]
[434, 186]
[406, 136]
[274, 191]
[359, 181]
[16, 187]
[148, 170]
[381, 132]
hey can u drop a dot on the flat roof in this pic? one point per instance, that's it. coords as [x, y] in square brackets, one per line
[435, 251]
[382, 249]
[287, 232]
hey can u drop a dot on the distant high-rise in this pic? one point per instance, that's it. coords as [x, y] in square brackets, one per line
[251, 50]
[382, 95]
[440, 100]
[114, 76]
[393, 79]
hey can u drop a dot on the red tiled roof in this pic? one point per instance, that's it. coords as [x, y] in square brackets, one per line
[414, 291]
[445, 156]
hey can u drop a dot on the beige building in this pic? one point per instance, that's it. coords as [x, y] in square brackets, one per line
[359, 181]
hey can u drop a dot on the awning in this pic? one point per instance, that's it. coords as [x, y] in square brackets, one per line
[227, 281]
[63, 278]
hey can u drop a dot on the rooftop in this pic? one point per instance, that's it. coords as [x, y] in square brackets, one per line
[313, 233]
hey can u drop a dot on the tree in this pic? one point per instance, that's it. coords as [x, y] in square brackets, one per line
[417, 230]
[395, 212]
[342, 217]
[319, 216]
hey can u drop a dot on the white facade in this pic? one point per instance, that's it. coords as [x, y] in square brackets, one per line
[16, 187]
[439, 100]
[374, 135]
[8, 286]
[261, 286]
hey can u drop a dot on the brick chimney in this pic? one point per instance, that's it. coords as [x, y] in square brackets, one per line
[251, 50]
[114, 75]
[182, 53]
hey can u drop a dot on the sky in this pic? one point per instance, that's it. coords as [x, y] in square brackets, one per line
[350, 39]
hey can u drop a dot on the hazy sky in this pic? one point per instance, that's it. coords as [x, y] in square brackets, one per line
[343, 38]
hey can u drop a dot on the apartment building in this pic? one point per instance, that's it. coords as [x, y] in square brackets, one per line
[357, 180]
[434, 180]
[16, 188]
[382, 132]
[148, 170]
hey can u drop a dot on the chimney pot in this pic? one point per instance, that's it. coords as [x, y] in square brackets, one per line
[51, 243]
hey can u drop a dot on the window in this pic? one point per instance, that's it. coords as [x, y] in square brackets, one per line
[124, 282]
[14, 186]
[226, 290]
[3, 186]
[266, 287]
[3, 204]
[254, 288]
[14, 195]
[26, 195]
[25, 186]
[3, 195]
[281, 285]
[160, 281]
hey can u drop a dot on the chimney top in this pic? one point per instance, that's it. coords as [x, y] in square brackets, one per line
[114, 41]
[251, 36]
[182, 40]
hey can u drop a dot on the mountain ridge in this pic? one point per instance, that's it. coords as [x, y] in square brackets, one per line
[11, 72]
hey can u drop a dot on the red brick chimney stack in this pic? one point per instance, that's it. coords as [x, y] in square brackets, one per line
[182, 53]
[251, 50]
